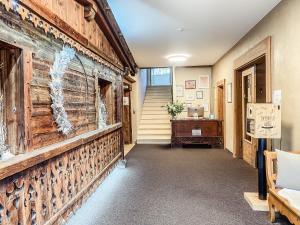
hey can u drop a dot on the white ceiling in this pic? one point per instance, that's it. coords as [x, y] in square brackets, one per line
[211, 27]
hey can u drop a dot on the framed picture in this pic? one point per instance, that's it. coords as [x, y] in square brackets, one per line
[204, 81]
[179, 91]
[199, 94]
[206, 107]
[190, 84]
[229, 93]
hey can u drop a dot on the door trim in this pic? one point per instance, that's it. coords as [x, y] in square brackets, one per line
[222, 83]
[262, 49]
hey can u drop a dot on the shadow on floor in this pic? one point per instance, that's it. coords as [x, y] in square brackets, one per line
[179, 186]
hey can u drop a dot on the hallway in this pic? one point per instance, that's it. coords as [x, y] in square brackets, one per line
[180, 186]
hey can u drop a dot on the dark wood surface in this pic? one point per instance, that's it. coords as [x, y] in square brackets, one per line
[211, 132]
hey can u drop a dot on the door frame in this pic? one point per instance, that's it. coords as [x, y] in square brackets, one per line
[262, 49]
[219, 84]
[128, 90]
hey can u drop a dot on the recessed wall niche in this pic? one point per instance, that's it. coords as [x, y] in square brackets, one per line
[105, 103]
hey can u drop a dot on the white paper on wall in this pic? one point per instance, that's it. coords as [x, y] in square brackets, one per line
[277, 97]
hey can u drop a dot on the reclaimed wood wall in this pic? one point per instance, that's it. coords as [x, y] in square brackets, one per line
[72, 12]
[47, 192]
[46, 183]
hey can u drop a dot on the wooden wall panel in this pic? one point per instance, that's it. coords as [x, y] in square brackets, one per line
[45, 185]
[71, 12]
[79, 96]
[44, 193]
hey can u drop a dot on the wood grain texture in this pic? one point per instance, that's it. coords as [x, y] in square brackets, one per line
[211, 132]
[56, 173]
[276, 202]
[262, 49]
[44, 193]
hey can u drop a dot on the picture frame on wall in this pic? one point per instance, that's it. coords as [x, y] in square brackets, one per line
[229, 93]
[179, 91]
[204, 81]
[190, 84]
[199, 94]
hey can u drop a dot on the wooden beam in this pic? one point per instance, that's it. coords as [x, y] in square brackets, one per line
[27, 73]
[108, 25]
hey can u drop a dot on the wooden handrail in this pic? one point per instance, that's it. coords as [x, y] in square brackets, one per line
[27, 160]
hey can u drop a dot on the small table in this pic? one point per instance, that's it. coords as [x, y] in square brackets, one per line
[197, 131]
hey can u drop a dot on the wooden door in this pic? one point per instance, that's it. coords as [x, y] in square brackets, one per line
[220, 106]
[127, 129]
[220, 102]
[249, 144]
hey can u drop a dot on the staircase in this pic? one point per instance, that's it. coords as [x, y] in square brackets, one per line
[155, 127]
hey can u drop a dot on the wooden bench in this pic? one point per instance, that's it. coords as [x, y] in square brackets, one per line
[276, 202]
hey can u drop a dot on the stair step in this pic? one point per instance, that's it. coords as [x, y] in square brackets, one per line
[156, 121]
[164, 97]
[158, 112]
[154, 132]
[157, 101]
[154, 139]
[157, 92]
[153, 104]
[160, 126]
[155, 117]
[153, 108]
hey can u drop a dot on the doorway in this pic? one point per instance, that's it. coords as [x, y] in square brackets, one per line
[220, 106]
[252, 84]
[127, 125]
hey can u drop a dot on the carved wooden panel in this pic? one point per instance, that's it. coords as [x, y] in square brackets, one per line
[39, 194]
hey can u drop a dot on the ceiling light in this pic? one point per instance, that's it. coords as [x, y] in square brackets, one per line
[180, 29]
[177, 58]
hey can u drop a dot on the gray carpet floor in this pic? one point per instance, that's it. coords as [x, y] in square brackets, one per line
[182, 186]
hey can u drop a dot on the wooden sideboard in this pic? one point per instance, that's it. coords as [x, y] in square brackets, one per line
[197, 131]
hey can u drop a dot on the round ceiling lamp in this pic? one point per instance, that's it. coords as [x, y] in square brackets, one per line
[177, 58]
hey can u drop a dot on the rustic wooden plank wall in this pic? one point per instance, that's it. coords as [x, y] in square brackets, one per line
[71, 12]
[79, 95]
[79, 84]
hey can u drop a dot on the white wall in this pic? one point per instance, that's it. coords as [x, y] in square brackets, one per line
[282, 24]
[181, 74]
[138, 96]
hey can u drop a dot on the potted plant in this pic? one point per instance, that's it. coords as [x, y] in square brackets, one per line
[174, 108]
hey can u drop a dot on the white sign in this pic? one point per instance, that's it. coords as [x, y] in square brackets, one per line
[277, 97]
[196, 132]
[125, 101]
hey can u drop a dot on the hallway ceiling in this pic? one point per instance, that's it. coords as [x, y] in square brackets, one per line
[203, 29]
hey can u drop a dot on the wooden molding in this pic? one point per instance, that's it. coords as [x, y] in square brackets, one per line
[262, 49]
[108, 25]
[27, 73]
[104, 19]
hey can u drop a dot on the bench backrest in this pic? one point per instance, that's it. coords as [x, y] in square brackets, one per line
[271, 167]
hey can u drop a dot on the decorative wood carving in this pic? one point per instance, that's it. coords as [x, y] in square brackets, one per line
[39, 194]
[90, 11]
[64, 33]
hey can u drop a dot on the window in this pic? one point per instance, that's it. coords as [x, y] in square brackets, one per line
[105, 103]
[11, 101]
[160, 77]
